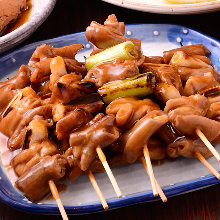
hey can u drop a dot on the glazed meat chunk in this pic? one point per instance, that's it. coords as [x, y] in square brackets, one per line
[110, 34]
[15, 113]
[192, 105]
[180, 145]
[129, 110]
[187, 147]
[196, 84]
[154, 59]
[9, 89]
[169, 85]
[112, 22]
[70, 87]
[196, 49]
[104, 36]
[36, 130]
[186, 72]
[112, 70]
[134, 139]
[164, 73]
[187, 124]
[214, 111]
[43, 56]
[182, 59]
[34, 182]
[19, 133]
[91, 104]
[29, 157]
[101, 131]
[156, 148]
[73, 120]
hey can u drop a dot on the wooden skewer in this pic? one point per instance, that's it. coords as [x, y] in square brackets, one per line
[56, 196]
[17, 96]
[97, 189]
[150, 169]
[160, 191]
[208, 165]
[108, 170]
[208, 144]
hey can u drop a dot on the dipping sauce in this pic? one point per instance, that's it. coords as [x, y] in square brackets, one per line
[23, 17]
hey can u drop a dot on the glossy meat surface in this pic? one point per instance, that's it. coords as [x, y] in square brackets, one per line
[192, 105]
[43, 56]
[198, 49]
[34, 182]
[112, 70]
[9, 89]
[129, 110]
[101, 131]
[135, 138]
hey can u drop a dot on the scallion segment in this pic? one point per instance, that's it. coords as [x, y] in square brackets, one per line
[124, 51]
[138, 86]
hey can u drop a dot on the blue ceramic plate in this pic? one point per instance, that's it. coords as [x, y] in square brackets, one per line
[180, 176]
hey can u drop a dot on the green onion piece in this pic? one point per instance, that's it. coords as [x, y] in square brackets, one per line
[139, 86]
[124, 51]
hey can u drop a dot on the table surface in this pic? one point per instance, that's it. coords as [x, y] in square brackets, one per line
[71, 16]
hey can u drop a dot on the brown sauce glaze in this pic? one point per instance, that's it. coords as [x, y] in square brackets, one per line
[23, 18]
[162, 161]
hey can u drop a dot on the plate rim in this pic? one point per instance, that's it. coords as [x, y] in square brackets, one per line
[135, 198]
[168, 8]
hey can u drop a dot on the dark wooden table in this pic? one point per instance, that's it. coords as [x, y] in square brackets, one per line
[71, 16]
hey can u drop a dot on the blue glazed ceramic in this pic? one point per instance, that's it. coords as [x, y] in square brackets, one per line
[180, 176]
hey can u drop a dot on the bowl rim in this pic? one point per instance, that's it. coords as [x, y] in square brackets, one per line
[34, 21]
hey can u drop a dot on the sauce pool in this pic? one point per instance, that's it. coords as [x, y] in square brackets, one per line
[23, 18]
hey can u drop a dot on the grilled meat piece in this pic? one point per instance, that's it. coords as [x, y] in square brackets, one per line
[192, 105]
[14, 115]
[72, 121]
[112, 70]
[134, 139]
[70, 87]
[34, 182]
[129, 110]
[196, 84]
[45, 111]
[43, 56]
[101, 131]
[29, 157]
[9, 89]
[196, 49]
[187, 147]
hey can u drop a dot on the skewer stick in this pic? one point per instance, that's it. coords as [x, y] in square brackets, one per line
[108, 170]
[208, 144]
[160, 191]
[97, 189]
[17, 96]
[150, 169]
[56, 196]
[208, 165]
